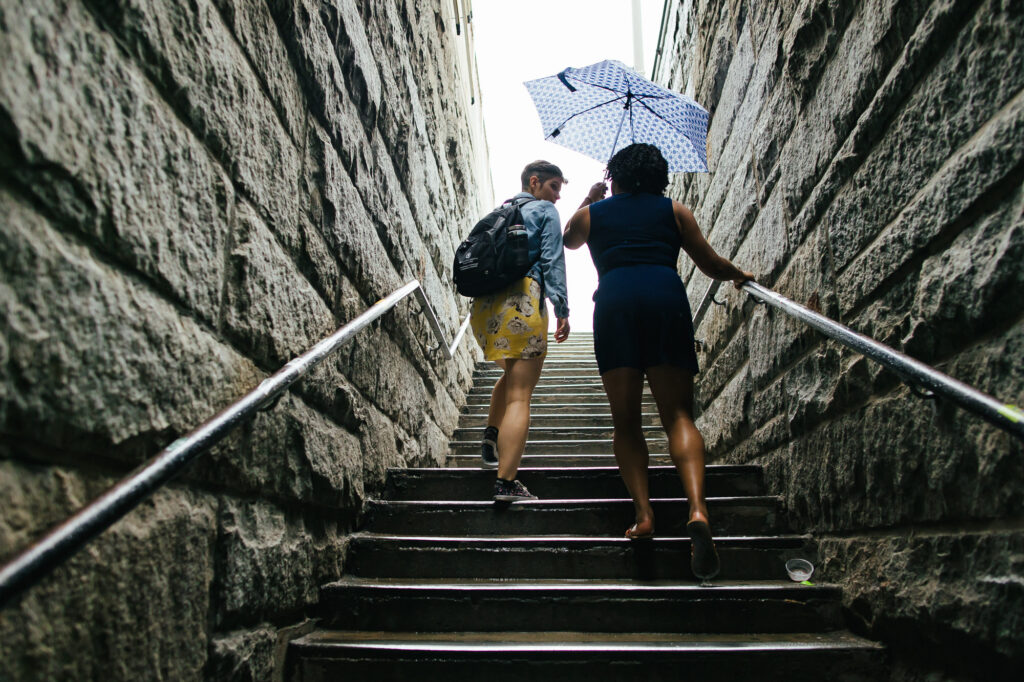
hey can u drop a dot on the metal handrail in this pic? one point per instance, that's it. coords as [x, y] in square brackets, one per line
[913, 372]
[62, 542]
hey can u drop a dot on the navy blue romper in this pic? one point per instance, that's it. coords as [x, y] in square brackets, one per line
[641, 314]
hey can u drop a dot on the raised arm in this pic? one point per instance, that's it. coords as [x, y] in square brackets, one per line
[577, 230]
[698, 248]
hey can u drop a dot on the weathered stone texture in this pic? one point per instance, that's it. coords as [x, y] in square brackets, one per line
[192, 194]
[866, 162]
[127, 607]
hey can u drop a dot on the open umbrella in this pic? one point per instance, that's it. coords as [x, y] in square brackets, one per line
[599, 109]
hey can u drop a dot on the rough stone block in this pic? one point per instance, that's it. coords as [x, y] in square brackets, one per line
[723, 429]
[291, 452]
[941, 209]
[136, 599]
[270, 562]
[867, 47]
[96, 360]
[912, 160]
[725, 139]
[741, 207]
[187, 51]
[337, 211]
[766, 249]
[247, 655]
[720, 368]
[256, 654]
[271, 311]
[954, 585]
[962, 291]
[777, 339]
[88, 136]
[763, 440]
[252, 25]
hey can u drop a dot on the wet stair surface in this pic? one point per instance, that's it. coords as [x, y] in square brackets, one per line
[443, 583]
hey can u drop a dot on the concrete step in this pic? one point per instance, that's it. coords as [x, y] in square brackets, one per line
[551, 371]
[568, 446]
[590, 396]
[586, 386]
[597, 606]
[550, 364]
[582, 458]
[569, 557]
[482, 516]
[721, 480]
[583, 656]
[476, 420]
[560, 433]
[591, 406]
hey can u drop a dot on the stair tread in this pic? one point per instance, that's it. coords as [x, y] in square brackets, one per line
[582, 585]
[709, 470]
[724, 541]
[577, 502]
[567, 642]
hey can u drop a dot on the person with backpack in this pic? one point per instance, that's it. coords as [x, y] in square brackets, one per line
[642, 326]
[511, 326]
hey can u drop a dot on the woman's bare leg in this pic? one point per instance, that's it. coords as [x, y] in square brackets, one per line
[673, 391]
[521, 377]
[496, 411]
[624, 386]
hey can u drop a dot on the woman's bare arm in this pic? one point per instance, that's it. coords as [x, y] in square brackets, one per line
[697, 247]
[577, 229]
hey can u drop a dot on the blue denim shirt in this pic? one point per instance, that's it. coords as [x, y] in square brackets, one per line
[544, 234]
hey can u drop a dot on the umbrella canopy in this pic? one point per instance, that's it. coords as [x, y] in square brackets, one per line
[599, 109]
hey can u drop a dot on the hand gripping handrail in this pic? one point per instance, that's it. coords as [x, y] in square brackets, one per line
[62, 542]
[913, 372]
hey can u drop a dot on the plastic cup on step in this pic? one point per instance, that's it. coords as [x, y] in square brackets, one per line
[799, 570]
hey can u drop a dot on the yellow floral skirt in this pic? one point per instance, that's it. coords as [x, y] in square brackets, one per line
[512, 322]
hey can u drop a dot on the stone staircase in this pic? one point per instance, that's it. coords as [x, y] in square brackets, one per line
[442, 583]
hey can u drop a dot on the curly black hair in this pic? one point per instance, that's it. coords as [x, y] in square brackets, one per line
[639, 168]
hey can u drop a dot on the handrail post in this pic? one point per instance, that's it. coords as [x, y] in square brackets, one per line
[705, 303]
[458, 337]
[434, 324]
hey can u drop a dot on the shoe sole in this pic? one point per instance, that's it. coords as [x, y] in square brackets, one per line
[490, 464]
[513, 498]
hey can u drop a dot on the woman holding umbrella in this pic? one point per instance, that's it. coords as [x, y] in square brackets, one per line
[642, 326]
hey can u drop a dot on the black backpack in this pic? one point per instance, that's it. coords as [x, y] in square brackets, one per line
[495, 253]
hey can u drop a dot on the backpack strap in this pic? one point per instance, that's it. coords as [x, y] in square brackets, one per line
[522, 201]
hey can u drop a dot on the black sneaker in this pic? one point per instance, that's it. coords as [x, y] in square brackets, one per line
[489, 447]
[511, 491]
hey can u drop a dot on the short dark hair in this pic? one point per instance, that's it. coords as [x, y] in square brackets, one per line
[544, 172]
[639, 168]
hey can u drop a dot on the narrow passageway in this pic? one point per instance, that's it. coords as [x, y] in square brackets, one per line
[441, 582]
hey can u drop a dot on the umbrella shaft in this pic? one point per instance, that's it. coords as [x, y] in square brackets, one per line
[622, 120]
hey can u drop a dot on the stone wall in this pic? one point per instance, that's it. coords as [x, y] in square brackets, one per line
[866, 161]
[191, 194]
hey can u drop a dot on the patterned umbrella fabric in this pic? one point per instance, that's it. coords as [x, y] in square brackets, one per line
[599, 109]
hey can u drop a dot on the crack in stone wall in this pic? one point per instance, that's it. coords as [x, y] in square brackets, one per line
[191, 194]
